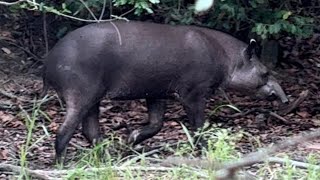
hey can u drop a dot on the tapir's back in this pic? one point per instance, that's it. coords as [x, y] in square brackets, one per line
[137, 58]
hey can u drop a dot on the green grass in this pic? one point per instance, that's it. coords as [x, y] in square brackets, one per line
[30, 123]
[106, 161]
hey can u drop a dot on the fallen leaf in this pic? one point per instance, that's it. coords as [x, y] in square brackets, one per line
[5, 34]
[173, 123]
[6, 50]
[4, 154]
[16, 124]
[5, 117]
[53, 126]
[51, 113]
[303, 114]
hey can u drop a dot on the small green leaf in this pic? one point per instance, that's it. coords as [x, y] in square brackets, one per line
[41, 6]
[190, 139]
[286, 15]
[277, 27]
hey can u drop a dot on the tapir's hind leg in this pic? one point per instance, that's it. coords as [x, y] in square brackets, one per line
[90, 125]
[78, 103]
[156, 109]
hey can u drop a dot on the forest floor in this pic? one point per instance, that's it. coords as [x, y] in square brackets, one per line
[20, 83]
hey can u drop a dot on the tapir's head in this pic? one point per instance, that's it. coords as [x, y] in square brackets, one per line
[249, 75]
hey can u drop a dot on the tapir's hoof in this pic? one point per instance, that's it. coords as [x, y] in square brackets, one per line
[60, 157]
[133, 138]
[58, 160]
[96, 141]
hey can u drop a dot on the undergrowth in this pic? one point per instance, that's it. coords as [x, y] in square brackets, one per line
[108, 160]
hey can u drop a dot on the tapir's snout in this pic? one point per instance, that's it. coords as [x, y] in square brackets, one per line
[272, 88]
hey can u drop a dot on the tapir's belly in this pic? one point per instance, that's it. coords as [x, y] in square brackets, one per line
[140, 83]
[122, 90]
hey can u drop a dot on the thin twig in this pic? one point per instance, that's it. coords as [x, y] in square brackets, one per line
[113, 17]
[127, 12]
[103, 9]
[12, 96]
[235, 115]
[118, 32]
[119, 18]
[22, 48]
[295, 163]
[110, 9]
[45, 33]
[10, 3]
[225, 96]
[7, 39]
[273, 114]
[91, 13]
[57, 12]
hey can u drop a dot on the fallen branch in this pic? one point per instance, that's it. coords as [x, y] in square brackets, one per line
[203, 164]
[58, 174]
[12, 96]
[18, 169]
[302, 96]
[229, 169]
[49, 9]
[295, 163]
[273, 114]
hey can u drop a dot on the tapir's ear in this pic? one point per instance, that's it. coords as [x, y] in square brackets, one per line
[251, 49]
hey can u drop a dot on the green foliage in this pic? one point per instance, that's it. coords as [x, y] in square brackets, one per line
[264, 18]
[30, 123]
[261, 17]
[139, 5]
[222, 146]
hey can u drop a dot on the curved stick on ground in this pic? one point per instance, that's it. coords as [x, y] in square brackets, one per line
[229, 169]
[295, 163]
[18, 169]
[302, 96]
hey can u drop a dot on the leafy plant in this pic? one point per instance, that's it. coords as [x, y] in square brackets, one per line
[264, 18]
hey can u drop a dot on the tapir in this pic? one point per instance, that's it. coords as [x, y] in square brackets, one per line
[131, 60]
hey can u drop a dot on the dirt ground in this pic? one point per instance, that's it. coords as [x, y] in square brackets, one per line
[20, 83]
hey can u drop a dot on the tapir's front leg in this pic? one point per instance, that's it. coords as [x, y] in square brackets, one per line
[193, 101]
[156, 109]
[194, 104]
